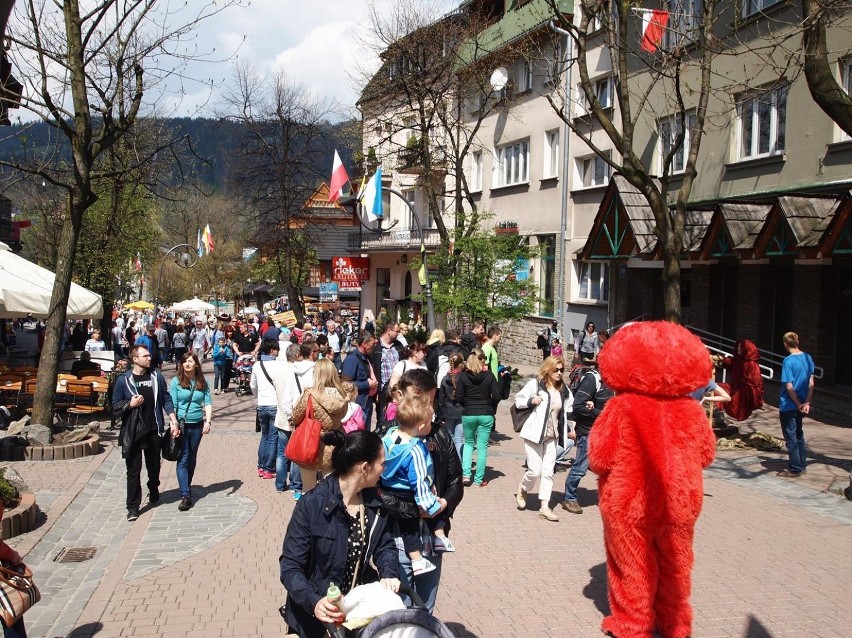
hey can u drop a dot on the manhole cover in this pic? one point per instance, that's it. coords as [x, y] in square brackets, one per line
[75, 554]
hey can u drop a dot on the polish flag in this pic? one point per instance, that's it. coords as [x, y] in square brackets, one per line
[339, 179]
[654, 23]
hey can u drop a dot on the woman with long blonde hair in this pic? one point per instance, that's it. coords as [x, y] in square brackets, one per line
[330, 403]
[477, 392]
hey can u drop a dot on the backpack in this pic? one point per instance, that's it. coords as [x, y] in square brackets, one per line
[504, 382]
[443, 368]
[578, 372]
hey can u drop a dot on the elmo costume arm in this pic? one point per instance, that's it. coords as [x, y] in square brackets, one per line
[605, 438]
[707, 446]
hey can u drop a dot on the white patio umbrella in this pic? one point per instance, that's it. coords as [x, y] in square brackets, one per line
[192, 305]
[251, 310]
[26, 288]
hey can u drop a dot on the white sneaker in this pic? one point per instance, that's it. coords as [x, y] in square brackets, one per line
[444, 544]
[422, 566]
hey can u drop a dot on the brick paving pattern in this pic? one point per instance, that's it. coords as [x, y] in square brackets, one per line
[773, 556]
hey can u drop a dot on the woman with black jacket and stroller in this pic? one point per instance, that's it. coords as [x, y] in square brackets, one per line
[337, 532]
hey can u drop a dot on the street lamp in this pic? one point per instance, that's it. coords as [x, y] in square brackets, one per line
[186, 258]
[427, 286]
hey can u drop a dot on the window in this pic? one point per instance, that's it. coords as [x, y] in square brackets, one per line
[669, 128]
[593, 278]
[525, 76]
[592, 171]
[603, 91]
[512, 165]
[475, 181]
[551, 154]
[410, 210]
[547, 282]
[750, 7]
[762, 123]
[557, 61]
[684, 21]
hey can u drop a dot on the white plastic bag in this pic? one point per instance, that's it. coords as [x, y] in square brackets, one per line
[365, 602]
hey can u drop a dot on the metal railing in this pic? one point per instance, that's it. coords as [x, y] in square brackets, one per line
[769, 363]
[404, 238]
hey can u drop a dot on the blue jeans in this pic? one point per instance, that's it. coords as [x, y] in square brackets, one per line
[368, 413]
[579, 469]
[268, 438]
[791, 425]
[186, 463]
[220, 372]
[426, 585]
[15, 631]
[456, 430]
[282, 463]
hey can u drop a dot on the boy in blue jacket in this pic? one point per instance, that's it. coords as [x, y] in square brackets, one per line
[222, 354]
[409, 478]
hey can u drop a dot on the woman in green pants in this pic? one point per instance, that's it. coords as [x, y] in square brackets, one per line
[477, 392]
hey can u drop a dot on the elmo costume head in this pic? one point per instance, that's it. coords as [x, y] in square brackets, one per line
[648, 447]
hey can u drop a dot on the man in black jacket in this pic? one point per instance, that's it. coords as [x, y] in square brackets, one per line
[385, 356]
[471, 340]
[589, 400]
[448, 485]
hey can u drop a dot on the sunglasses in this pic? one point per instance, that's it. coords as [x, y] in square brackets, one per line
[559, 370]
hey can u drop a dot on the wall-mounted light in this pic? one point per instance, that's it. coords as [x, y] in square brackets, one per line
[404, 259]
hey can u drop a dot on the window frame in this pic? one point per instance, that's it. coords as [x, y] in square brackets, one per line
[520, 158]
[550, 163]
[475, 182]
[683, 28]
[846, 85]
[672, 121]
[583, 105]
[524, 76]
[745, 11]
[585, 272]
[581, 170]
[777, 126]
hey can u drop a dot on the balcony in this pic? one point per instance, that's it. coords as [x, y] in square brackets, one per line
[393, 240]
[410, 163]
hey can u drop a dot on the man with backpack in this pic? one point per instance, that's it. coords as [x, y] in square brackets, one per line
[590, 397]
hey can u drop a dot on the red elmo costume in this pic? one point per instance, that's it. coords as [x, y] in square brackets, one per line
[648, 448]
[746, 386]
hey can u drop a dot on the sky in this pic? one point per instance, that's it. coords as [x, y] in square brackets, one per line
[318, 43]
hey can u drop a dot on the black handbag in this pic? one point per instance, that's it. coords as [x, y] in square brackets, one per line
[172, 446]
[519, 417]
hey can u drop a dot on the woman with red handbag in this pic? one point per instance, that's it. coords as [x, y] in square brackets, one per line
[329, 404]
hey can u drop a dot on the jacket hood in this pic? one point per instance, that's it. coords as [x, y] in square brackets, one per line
[747, 350]
[656, 358]
[300, 367]
[477, 379]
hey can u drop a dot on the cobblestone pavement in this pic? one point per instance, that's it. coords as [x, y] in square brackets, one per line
[773, 556]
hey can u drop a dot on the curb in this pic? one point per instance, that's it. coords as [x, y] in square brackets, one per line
[21, 519]
[77, 450]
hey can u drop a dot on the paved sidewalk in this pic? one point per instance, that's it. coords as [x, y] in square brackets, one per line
[773, 556]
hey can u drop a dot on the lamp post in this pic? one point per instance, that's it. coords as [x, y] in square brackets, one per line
[427, 286]
[187, 258]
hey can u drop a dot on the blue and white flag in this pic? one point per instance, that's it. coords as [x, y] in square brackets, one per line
[198, 247]
[371, 197]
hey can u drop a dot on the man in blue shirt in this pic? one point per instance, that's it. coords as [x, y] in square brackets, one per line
[797, 387]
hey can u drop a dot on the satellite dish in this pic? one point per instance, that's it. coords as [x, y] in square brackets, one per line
[499, 79]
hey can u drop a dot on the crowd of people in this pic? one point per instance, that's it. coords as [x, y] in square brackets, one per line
[398, 426]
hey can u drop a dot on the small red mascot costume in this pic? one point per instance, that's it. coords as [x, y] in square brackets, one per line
[648, 447]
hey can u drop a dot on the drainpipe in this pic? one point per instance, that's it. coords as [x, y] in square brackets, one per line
[561, 314]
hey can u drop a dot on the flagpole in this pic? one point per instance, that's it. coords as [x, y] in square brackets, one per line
[427, 287]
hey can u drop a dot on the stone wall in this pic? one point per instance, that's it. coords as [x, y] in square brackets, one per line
[519, 338]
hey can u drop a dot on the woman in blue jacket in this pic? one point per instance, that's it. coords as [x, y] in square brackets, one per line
[337, 532]
[194, 406]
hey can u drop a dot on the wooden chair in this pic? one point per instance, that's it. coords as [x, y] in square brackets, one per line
[9, 398]
[66, 377]
[27, 394]
[83, 399]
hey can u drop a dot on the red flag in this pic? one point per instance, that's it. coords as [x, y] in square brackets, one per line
[653, 25]
[138, 263]
[339, 179]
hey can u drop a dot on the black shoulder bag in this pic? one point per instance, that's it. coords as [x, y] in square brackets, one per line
[172, 446]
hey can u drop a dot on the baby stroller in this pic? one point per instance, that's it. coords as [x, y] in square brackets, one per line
[414, 622]
[242, 374]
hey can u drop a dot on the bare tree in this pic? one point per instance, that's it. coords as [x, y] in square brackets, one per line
[283, 155]
[682, 72]
[826, 91]
[86, 70]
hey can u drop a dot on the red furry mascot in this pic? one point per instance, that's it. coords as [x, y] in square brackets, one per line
[648, 448]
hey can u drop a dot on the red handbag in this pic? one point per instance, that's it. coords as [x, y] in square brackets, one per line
[303, 446]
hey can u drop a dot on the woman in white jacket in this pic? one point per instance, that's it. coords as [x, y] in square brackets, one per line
[550, 401]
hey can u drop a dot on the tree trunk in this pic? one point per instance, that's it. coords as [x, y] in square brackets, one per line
[49, 362]
[825, 90]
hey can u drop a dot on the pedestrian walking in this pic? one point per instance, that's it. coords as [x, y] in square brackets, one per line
[551, 402]
[190, 394]
[477, 392]
[797, 388]
[267, 406]
[587, 346]
[142, 401]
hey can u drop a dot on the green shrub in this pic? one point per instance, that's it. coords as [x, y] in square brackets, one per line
[8, 493]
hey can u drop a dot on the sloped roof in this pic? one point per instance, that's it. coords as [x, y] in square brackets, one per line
[743, 222]
[695, 225]
[639, 212]
[808, 217]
